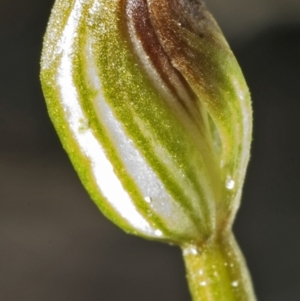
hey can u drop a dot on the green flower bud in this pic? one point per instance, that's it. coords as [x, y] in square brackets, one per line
[153, 110]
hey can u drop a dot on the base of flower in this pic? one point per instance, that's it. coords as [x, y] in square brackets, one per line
[217, 271]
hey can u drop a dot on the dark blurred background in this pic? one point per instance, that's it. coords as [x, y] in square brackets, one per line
[55, 245]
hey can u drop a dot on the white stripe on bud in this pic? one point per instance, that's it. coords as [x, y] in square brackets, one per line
[103, 171]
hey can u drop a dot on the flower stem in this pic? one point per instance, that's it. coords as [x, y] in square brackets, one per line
[217, 271]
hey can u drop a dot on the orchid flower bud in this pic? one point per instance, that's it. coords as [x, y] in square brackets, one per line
[153, 110]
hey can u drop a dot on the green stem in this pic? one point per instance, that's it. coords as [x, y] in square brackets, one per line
[217, 271]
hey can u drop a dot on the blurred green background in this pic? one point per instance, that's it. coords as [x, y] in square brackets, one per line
[55, 245]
